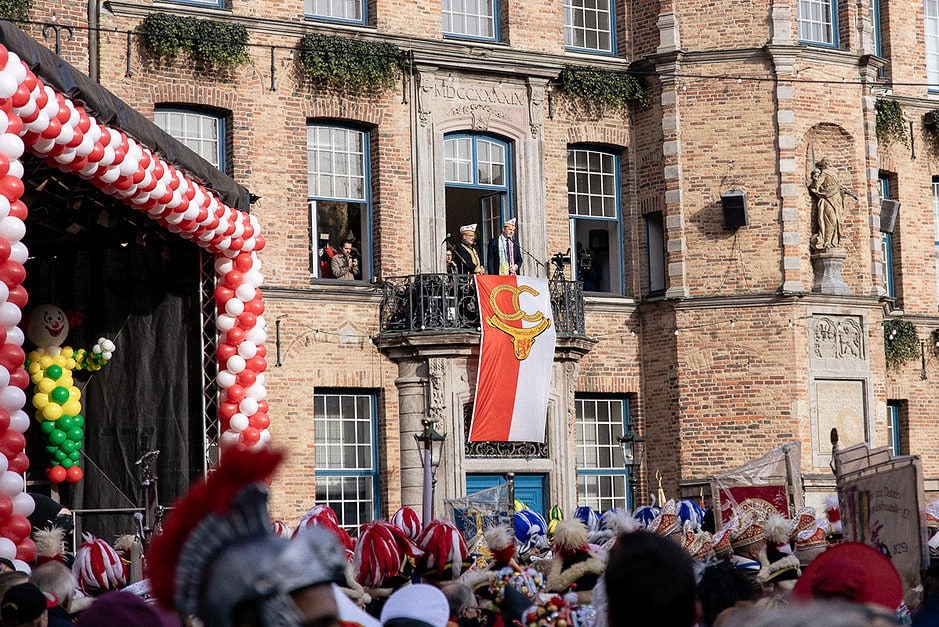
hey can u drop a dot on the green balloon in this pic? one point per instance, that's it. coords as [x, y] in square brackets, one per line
[75, 434]
[52, 449]
[47, 426]
[75, 455]
[59, 395]
[78, 446]
[79, 420]
[57, 436]
[67, 463]
[68, 446]
[65, 423]
[60, 454]
[54, 372]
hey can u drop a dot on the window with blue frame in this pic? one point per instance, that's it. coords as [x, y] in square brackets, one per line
[588, 25]
[340, 10]
[346, 454]
[476, 19]
[594, 207]
[602, 476]
[478, 182]
[895, 439]
[818, 22]
[200, 130]
[931, 24]
[338, 183]
[887, 244]
[655, 251]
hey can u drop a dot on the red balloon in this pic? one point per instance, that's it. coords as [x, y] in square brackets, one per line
[3, 335]
[6, 507]
[11, 356]
[222, 295]
[16, 527]
[21, 96]
[96, 154]
[5, 245]
[255, 306]
[77, 138]
[4, 165]
[249, 230]
[227, 410]
[5, 416]
[260, 421]
[56, 474]
[19, 378]
[19, 464]
[235, 394]
[19, 297]
[263, 407]
[15, 125]
[235, 336]
[246, 321]
[245, 378]
[250, 436]
[225, 351]
[262, 350]
[12, 272]
[256, 363]
[26, 549]
[237, 243]
[243, 262]
[52, 131]
[259, 242]
[74, 474]
[12, 443]
[4, 55]
[123, 183]
[11, 187]
[234, 278]
[18, 209]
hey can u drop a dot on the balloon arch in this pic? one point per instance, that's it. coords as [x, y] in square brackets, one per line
[36, 118]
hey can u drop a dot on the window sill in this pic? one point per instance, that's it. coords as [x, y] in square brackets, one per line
[333, 22]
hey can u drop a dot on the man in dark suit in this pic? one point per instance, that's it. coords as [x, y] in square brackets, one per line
[505, 257]
[465, 255]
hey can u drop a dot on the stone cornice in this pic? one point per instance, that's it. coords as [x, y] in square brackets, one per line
[326, 292]
[735, 301]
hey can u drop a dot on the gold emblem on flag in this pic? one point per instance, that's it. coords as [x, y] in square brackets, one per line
[522, 338]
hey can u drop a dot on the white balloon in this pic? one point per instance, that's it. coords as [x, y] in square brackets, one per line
[23, 504]
[238, 422]
[128, 166]
[223, 266]
[254, 277]
[235, 363]
[245, 291]
[8, 85]
[234, 306]
[40, 124]
[19, 252]
[15, 65]
[19, 421]
[229, 438]
[15, 336]
[248, 406]
[16, 168]
[66, 156]
[66, 135]
[257, 392]
[247, 349]
[10, 314]
[265, 437]
[256, 334]
[261, 380]
[5, 121]
[86, 146]
[11, 145]
[108, 157]
[7, 548]
[4, 379]
[11, 399]
[43, 145]
[12, 228]
[4, 464]
[11, 483]
[225, 323]
[225, 379]
[239, 229]
[4, 292]
[174, 218]
[191, 212]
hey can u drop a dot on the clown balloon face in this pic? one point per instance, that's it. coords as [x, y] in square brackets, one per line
[47, 326]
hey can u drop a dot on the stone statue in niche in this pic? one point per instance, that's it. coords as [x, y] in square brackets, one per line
[828, 196]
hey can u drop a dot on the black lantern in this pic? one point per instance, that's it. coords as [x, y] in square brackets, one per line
[633, 445]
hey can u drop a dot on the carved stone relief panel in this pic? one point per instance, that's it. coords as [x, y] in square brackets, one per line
[838, 337]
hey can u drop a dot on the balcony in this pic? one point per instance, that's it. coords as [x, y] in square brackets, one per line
[447, 302]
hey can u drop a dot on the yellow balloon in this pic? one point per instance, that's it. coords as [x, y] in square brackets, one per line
[46, 385]
[66, 379]
[67, 352]
[33, 356]
[40, 400]
[36, 378]
[70, 364]
[71, 407]
[59, 360]
[45, 361]
[34, 367]
[74, 393]
[39, 416]
[52, 411]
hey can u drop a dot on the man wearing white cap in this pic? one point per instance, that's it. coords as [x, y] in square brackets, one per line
[504, 254]
[465, 254]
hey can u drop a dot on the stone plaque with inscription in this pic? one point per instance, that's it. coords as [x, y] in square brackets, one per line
[840, 405]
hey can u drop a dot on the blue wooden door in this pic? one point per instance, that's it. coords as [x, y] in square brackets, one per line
[528, 488]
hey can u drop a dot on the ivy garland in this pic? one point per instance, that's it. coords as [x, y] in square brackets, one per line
[350, 64]
[597, 90]
[901, 342]
[213, 43]
[891, 124]
[15, 10]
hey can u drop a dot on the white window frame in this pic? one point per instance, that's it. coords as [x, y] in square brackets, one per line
[584, 27]
[459, 15]
[602, 476]
[818, 22]
[352, 11]
[178, 122]
[931, 27]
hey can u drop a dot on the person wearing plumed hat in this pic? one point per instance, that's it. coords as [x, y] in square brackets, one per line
[505, 256]
[465, 254]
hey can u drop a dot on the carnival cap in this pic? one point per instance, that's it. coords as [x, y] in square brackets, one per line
[747, 534]
[468, 228]
[417, 605]
[22, 604]
[509, 222]
[851, 571]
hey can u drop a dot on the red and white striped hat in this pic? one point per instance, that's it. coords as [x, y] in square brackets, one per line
[97, 566]
[407, 520]
[380, 552]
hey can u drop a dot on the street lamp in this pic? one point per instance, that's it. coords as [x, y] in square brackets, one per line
[632, 444]
[429, 462]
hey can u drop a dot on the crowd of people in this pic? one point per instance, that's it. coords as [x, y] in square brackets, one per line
[221, 560]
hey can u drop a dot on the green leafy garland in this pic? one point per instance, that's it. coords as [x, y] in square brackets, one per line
[597, 90]
[350, 64]
[901, 342]
[891, 124]
[15, 10]
[213, 43]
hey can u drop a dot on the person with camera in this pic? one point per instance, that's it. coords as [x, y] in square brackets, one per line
[345, 263]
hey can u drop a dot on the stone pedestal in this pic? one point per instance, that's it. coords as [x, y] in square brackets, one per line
[827, 266]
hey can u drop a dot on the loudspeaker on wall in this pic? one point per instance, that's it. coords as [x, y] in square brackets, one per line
[889, 209]
[734, 204]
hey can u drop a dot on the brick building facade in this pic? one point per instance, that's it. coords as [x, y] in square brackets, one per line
[715, 343]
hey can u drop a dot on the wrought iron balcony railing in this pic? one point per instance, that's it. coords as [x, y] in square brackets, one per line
[439, 302]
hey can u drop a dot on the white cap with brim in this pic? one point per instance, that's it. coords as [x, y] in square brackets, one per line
[509, 222]
[417, 604]
[468, 228]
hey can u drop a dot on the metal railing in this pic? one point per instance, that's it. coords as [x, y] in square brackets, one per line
[438, 302]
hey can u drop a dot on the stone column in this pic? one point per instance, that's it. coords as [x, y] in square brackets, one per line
[412, 404]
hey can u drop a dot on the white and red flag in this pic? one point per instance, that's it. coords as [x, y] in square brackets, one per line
[516, 352]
